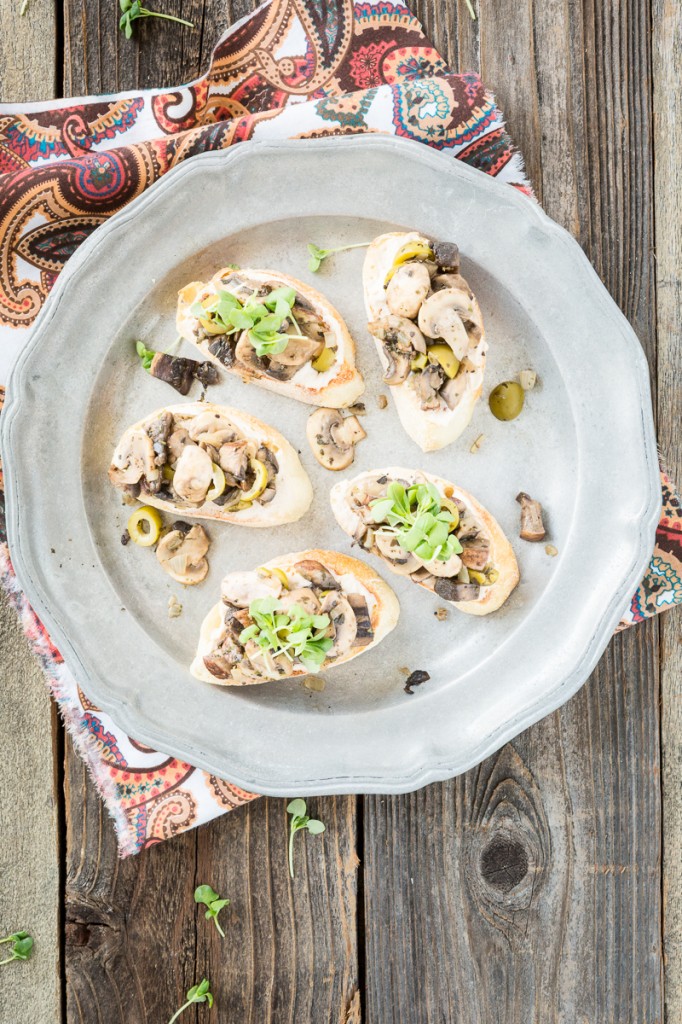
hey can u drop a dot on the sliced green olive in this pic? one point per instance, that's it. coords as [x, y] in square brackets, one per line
[408, 252]
[260, 482]
[484, 579]
[325, 360]
[144, 526]
[218, 484]
[506, 400]
[419, 362]
[451, 507]
[445, 357]
[210, 326]
[167, 472]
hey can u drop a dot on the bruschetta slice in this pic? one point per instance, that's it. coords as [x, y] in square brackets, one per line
[275, 331]
[212, 462]
[297, 614]
[428, 330]
[423, 527]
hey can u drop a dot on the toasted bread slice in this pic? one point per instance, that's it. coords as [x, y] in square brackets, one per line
[485, 547]
[361, 606]
[433, 418]
[255, 461]
[337, 386]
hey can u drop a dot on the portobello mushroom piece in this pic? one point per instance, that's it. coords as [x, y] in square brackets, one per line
[408, 288]
[230, 495]
[206, 373]
[532, 526]
[219, 666]
[174, 370]
[475, 554]
[440, 316]
[181, 555]
[428, 384]
[365, 633]
[223, 349]
[317, 574]
[281, 372]
[447, 256]
[450, 590]
[135, 460]
[332, 437]
[193, 473]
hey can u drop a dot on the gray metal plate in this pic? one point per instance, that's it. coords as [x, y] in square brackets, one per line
[584, 446]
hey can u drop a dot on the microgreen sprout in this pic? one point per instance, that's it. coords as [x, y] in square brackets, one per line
[421, 519]
[146, 354]
[318, 255]
[263, 318]
[470, 7]
[206, 895]
[22, 946]
[134, 9]
[197, 994]
[293, 633]
[299, 820]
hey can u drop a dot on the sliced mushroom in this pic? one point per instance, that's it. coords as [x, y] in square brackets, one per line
[332, 437]
[398, 332]
[193, 473]
[305, 596]
[134, 460]
[182, 553]
[241, 588]
[299, 350]
[402, 562]
[428, 384]
[317, 574]
[176, 442]
[447, 256]
[245, 353]
[408, 288]
[207, 427]
[440, 316]
[451, 281]
[234, 460]
[475, 554]
[453, 389]
[443, 569]
[532, 526]
[365, 633]
[345, 626]
[450, 590]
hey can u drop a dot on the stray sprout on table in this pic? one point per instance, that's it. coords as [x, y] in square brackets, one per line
[205, 894]
[134, 9]
[197, 994]
[317, 255]
[22, 946]
[299, 820]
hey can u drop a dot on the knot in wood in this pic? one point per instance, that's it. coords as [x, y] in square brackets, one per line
[504, 863]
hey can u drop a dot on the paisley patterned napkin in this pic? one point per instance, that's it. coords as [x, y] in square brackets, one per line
[292, 69]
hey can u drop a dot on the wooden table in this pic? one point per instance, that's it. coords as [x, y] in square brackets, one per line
[543, 886]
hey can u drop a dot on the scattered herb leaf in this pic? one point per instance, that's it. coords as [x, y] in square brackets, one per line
[205, 894]
[471, 10]
[318, 255]
[293, 632]
[22, 946]
[146, 355]
[197, 994]
[415, 678]
[477, 444]
[421, 520]
[134, 9]
[300, 820]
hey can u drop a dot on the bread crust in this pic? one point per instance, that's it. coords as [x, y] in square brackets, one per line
[337, 387]
[430, 429]
[384, 614]
[501, 553]
[293, 494]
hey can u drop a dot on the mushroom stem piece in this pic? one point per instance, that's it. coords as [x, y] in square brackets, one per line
[532, 526]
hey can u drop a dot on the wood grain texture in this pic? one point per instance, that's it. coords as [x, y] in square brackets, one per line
[30, 897]
[667, 83]
[529, 889]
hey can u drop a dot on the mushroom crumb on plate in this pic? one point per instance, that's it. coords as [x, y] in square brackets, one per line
[532, 526]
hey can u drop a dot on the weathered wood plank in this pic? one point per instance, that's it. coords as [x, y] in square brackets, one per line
[667, 79]
[528, 890]
[29, 849]
[135, 939]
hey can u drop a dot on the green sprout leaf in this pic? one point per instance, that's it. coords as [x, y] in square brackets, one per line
[292, 632]
[300, 820]
[200, 993]
[146, 355]
[317, 256]
[419, 520]
[131, 10]
[21, 949]
[267, 321]
[206, 895]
